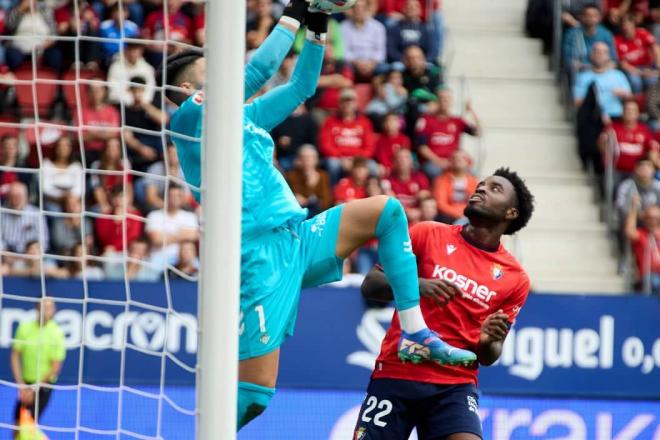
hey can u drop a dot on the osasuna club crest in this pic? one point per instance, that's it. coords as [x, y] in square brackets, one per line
[497, 272]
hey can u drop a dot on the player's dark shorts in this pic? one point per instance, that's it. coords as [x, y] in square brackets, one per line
[393, 407]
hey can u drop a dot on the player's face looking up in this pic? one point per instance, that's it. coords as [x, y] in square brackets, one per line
[494, 200]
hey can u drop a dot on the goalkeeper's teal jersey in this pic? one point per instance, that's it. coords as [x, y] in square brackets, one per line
[268, 202]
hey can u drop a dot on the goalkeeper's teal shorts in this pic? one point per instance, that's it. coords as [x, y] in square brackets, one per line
[275, 266]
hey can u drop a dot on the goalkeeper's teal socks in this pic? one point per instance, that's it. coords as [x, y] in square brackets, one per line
[252, 401]
[399, 263]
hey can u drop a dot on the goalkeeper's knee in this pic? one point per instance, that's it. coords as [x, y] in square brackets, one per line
[252, 401]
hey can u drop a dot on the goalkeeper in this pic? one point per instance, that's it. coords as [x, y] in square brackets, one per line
[281, 252]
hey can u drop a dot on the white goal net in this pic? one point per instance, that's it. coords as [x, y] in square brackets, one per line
[96, 216]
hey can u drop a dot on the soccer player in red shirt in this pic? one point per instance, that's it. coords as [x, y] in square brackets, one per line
[634, 140]
[638, 54]
[472, 289]
[438, 134]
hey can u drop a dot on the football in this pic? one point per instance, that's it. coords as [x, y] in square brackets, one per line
[332, 6]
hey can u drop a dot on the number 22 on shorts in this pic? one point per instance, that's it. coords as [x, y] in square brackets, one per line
[385, 407]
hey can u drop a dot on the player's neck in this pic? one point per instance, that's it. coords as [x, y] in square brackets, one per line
[484, 237]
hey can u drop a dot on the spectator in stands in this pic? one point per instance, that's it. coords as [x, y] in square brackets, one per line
[259, 26]
[309, 184]
[67, 231]
[428, 211]
[112, 28]
[178, 29]
[167, 228]
[579, 41]
[353, 187]
[187, 265]
[298, 129]
[617, 9]
[37, 354]
[453, 188]
[21, 221]
[422, 80]
[410, 30]
[438, 134]
[34, 25]
[124, 69]
[628, 141]
[346, 135]
[407, 184]
[365, 42]
[139, 264]
[641, 184]
[144, 145]
[30, 264]
[391, 11]
[110, 230]
[102, 183]
[598, 94]
[389, 142]
[135, 8]
[645, 240]
[638, 53]
[9, 149]
[61, 176]
[101, 121]
[389, 95]
[653, 106]
[86, 24]
[336, 75]
[150, 190]
[83, 271]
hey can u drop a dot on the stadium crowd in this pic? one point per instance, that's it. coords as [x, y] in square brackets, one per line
[380, 123]
[610, 62]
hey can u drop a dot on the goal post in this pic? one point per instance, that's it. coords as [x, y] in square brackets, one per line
[221, 233]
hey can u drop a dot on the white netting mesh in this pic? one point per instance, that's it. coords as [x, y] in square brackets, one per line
[96, 215]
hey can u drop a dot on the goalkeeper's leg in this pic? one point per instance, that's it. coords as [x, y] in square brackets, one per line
[383, 218]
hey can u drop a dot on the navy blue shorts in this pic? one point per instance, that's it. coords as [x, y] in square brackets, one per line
[393, 407]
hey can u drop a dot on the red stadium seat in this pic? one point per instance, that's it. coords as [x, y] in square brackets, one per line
[364, 94]
[43, 91]
[71, 85]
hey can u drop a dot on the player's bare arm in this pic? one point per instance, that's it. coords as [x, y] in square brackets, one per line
[375, 287]
[493, 333]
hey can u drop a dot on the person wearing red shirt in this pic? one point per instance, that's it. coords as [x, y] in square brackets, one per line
[99, 121]
[645, 242]
[438, 134]
[472, 290]
[389, 142]
[347, 135]
[630, 140]
[335, 76]
[407, 184]
[355, 186]
[110, 231]
[638, 53]
[180, 29]
[452, 189]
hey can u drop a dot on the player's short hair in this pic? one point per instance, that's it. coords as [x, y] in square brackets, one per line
[176, 68]
[524, 200]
